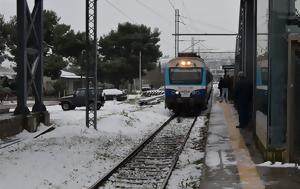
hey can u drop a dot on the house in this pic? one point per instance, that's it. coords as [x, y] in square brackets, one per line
[71, 81]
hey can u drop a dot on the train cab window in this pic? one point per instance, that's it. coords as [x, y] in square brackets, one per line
[185, 75]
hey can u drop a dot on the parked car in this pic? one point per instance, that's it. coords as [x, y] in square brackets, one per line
[78, 99]
[114, 94]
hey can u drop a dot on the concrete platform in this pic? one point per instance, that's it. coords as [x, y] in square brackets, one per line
[220, 162]
[233, 161]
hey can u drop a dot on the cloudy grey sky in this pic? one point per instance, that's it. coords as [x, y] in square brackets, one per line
[199, 16]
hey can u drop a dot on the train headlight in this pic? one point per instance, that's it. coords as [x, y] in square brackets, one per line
[183, 63]
[188, 63]
[177, 92]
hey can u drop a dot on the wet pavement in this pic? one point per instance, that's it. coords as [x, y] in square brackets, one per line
[232, 160]
[280, 178]
[221, 166]
[221, 169]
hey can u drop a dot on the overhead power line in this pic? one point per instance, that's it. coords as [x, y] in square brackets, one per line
[119, 10]
[190, 25]
[154, 12]
[192, 46]
[207, 24]
[191, 40]
[205, 47]
[218, 52]
[193, 22]
[171, 4]
[207, 34]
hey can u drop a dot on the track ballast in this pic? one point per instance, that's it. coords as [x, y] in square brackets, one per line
[150, 165]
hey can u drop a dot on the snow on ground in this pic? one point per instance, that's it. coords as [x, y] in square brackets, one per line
[14, 102]
[188, 171]
[112, 92]
[73, 156]
[278, 165]
[133, 96]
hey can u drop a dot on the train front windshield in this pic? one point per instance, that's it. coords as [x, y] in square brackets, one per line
[185, 75]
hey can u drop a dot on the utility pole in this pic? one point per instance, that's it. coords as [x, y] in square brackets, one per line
[91, 61]
[193, 44]
[82, 62]
[140, 71]
[176, 32]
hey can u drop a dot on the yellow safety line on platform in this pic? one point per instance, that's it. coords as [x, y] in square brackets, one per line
[249, 176]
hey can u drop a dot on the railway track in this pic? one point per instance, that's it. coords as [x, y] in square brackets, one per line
[150, 165]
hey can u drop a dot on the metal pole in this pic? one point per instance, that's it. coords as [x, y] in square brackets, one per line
[91, 60]
[30, 56]
[175, 37]
[193, 44]
[22, 59]
[140, 70]
[95, 66]
[83, 54]
[39, 75]
[87, 120]
[176, 32]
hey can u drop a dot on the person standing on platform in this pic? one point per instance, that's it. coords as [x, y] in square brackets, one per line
[243, 100]
[225, 89]
[220, 85]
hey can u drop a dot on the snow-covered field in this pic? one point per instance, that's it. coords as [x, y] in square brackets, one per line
[73, 156]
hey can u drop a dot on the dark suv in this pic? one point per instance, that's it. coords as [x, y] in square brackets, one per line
[78, 99]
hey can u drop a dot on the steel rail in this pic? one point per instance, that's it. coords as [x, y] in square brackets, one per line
[101, 181]
[178, 154]
[10, 143]
[15, 141]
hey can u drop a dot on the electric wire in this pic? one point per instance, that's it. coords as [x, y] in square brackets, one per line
[154, 11]
[190, 46]
[156, 14]
[192, 21]
[119, 10]
[191, 25]
[171, 4]
[208, 24]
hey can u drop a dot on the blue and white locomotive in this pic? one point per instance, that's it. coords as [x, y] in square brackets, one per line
[188, 83]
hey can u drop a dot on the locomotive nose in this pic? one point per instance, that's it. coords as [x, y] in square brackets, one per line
[175, 92]
[196, 92]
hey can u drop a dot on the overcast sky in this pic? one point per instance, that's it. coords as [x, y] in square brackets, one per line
[198, 16]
